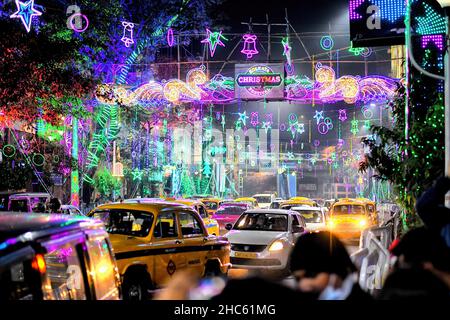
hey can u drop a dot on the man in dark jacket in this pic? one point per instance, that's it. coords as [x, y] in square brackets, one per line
[432, 210]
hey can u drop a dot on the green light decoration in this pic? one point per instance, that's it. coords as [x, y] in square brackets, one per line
[367, 124]
[137, 174]
[38, 159]
[431, 23]
[50, 132]
[218, 150]
[207, 167]
[74, 175]
[356, 51]
[9, 151]
[355, 127]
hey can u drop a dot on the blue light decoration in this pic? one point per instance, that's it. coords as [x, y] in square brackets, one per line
[431, 23]
[26, 12]
[327, 43]
[318, 116]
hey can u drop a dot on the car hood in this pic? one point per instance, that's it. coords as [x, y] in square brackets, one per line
[254, 237]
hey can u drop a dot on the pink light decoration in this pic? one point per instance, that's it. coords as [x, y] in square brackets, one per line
[342, 115]
[353, 5]
[74, 27]
[254, 119]
[170, 38]
[249, 45]
[434, 38]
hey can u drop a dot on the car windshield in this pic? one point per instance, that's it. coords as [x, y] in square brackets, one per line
[126, 222]
[211, 205]
[231, 210]
[348, 209]
[311, 216]
[262, 222]
[263, 199]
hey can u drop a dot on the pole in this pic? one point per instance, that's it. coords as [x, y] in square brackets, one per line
[74, 176]
[268, 38]
[447, 102]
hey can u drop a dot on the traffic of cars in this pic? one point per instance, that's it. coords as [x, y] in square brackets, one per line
[131, 248]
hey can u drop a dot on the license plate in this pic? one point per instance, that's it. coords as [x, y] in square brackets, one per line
[245, 255]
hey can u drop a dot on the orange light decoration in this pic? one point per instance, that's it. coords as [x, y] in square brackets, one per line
[38, 263]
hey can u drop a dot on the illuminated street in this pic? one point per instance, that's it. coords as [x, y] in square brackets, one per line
[223, 150]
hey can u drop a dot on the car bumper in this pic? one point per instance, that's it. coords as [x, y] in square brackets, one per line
[263, 260]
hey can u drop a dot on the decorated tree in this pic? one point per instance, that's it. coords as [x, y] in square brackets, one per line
[410, 163]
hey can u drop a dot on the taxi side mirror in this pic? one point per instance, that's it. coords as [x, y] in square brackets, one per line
[228, 226]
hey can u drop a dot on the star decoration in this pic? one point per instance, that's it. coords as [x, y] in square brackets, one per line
[243, 117]
[290, 155]
[137, 174]
[286, 49]
[313, 161]
[318, 116]
[266, 125]
[214, 39]
[26, 12]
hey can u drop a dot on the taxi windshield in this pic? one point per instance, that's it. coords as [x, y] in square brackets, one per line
[126, 222]
[211, 205]
[348, 209]
[262, 222]
[263, 199]
[311, 216]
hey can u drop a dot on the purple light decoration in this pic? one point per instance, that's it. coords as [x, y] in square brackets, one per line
[213, 39]
[342, 115]
[249, 45]
[353, 5]
[170, 38]
[26, 12]
[323, 128]
[127, 37]
[72, 25]
[434, 38]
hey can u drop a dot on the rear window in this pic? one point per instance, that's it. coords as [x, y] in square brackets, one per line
[126, 222]
[348, 209]
[234, 211]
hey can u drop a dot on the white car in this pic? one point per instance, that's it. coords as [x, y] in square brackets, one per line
[314, 217]
[71, 210]
[264, 200]
[264, 238]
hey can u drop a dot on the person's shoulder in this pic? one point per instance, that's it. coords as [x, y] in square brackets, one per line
[359, 294]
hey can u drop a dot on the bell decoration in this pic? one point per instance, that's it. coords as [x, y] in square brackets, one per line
[249, 45]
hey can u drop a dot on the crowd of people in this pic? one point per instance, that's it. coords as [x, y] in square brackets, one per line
[323, 269]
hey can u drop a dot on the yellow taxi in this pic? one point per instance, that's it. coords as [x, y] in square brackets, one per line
[211, 224]
[153, 240]
[371, 207]
[212, 204]
[252, 201]
[297, 202]
[349, 217]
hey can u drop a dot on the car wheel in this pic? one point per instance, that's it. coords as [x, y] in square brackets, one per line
[136, 287]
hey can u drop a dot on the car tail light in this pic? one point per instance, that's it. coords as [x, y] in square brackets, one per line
[38, 263]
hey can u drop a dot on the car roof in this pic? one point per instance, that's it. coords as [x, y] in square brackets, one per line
[144, 205]
[30, 194]
[263, 195]
[272, 211]
[22, 227]
[306, 208]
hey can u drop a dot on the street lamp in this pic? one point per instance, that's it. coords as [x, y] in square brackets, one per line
[446, 5]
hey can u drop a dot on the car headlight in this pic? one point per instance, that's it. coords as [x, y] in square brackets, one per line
[362, 223]
[331, 224]
[276, 246]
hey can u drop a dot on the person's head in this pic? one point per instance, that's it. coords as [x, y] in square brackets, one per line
[55, 204]
[316, 257]
[421, 247]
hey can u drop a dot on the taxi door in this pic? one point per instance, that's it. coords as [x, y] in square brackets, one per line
[166, 243]
[194, 236]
